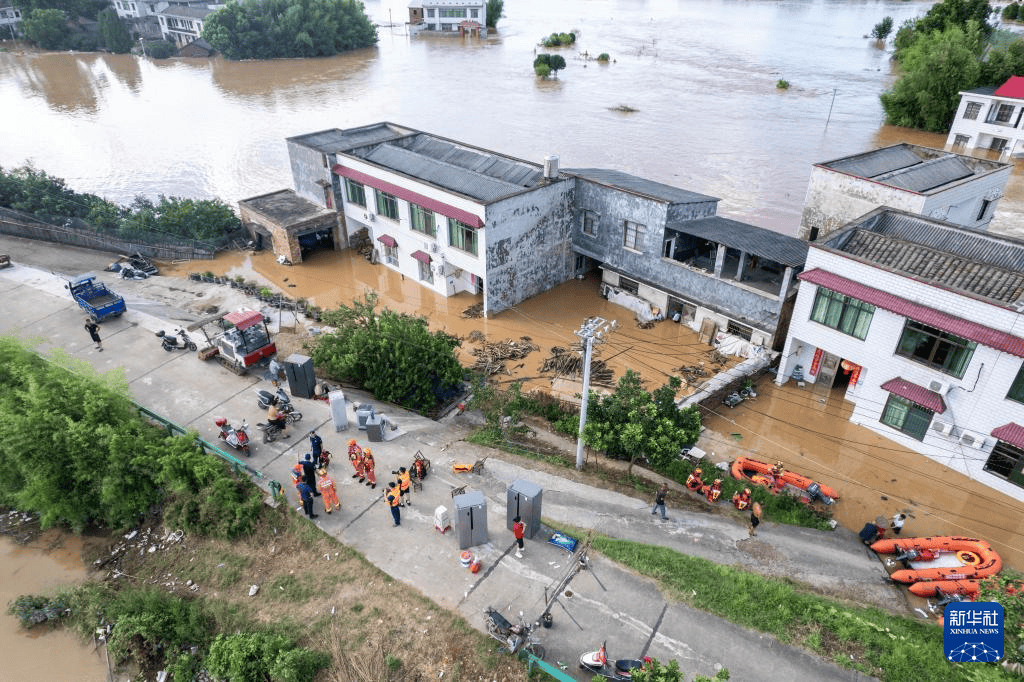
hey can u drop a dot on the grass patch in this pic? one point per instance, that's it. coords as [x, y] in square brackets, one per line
[867, 639]
[291, 589]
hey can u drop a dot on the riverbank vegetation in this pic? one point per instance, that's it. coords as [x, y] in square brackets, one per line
[494, 10]
[559, 40]
[866, 639]
[952, 48]
[33, 191]
[274, 29]
[546, 64]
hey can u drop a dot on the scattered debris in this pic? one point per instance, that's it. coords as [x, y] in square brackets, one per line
[491, 357]
[569, 363]
[474, 311]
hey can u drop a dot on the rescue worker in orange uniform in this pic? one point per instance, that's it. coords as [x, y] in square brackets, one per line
[405, 486]
[368, 469]
[355, 455]
[694, 481]
[394, 500]
[714, 490]
[777, 469]
[328, 489]
[741, 500]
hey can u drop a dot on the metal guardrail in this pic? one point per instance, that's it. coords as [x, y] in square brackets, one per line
[176, 430]
[532, 660]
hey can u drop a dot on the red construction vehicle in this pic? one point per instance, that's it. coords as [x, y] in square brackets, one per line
[239, 340]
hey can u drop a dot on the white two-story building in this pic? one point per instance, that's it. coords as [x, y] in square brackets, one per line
[990, 118]
[920, 324]
[448, 16]
[10, 17]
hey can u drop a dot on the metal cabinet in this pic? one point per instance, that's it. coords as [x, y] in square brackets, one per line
[524, 500]
[470, 519]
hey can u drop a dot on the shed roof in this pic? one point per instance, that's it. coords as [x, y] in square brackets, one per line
[334, 140]
[913, 168]
[642, 186]
[285, 207]
[976, 263]
[754, 240]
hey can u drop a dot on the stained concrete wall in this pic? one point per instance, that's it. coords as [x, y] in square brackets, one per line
[960, 204]
[528, 247]
[309, 171]
[834, 199]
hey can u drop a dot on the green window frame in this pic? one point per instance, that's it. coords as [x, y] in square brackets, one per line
[355, 192]
[948, 353]
[422, 220]
[1016, 391]
[842, 313]
[907, 417]
[387, 205]
[462, 236]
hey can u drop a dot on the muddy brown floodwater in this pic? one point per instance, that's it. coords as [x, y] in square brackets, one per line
[50, 561]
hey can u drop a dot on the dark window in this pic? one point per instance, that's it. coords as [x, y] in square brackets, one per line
[633, 235]
[944, 351]
[1005, 460]
[842, 313]
[423, 220]
[905, 416]
[998, 144]
[461, 236]
[356, 193]
[590, 222]
[960, 142]
[1004, 113]
[972, 110]
[630, 285]
[1017, 387]
[985, 203]
[387, 205]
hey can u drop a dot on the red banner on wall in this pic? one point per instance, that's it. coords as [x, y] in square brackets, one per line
[816, 362]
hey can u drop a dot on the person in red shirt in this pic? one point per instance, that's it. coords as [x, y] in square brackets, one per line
[518, 529]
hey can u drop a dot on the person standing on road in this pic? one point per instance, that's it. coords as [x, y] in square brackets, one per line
[518, 530]
[329, 490]
[368, 469]
[309, 474]
[394, 498]
[306, 495]
[355, 455]
[659, 501]
[897, 523]
[316, 446]
[94, 332]
[755, 518]
[405, 486]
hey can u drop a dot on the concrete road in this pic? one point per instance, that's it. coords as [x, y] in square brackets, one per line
[607, 603]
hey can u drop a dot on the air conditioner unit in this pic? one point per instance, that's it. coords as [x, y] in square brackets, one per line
[369, 216]
[944, 428]
[940, 387]
[439, 269]
[433, 247]
[972, 440]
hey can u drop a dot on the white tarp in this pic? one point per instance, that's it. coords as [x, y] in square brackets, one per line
[640, 307]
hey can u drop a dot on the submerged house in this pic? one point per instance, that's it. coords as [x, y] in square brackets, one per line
[920, 324]
[990, 118]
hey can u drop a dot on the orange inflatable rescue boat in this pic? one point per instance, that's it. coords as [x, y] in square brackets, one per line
[973, 558]
[775, 478]
[936, 588]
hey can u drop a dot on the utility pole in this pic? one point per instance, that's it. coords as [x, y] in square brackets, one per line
[594, 327]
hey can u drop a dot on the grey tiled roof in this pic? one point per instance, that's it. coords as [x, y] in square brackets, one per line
[335, 140]
[912, 168]
[503, 168]
[756, 241]
[972, 262]
[187, 12]
[636, 185]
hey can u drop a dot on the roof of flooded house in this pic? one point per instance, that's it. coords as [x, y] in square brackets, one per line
[476, 173]
[285, 207]
[1013, 87]
[642, 186]
[987, 91]
[976, 263]
[757, 241]
[913, 168]
[188, 12]
[334, 140]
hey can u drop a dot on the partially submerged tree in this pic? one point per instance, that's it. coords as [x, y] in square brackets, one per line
[494, 9]
[882, 29]
[112, 33]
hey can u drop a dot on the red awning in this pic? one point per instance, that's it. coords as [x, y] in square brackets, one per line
[1010, 433]
[421, 257]
[387, 240]
[244, 319]
[444, 209]
[986, 336]
[919, 395]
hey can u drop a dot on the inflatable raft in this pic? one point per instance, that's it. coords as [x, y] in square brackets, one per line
[760, 473]
[973, 558]
[933, 588]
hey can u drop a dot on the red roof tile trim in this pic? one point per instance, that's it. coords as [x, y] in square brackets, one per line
[421, 256]
[387, 240]
[915, 394]
[1011, 433]
[1014, 87]
[986, 336]
[444, 209]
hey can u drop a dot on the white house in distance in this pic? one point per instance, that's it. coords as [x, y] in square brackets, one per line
[958, 189]
[9, 19]
[181, 25]
[990, 118]
[920, 324]
[448, 16]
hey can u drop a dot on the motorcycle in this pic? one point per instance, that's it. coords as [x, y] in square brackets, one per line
[263, 398]
[272, 431]
[732, 400]
[170, 342]
[596, 663]
[513, 638]
[236, 438]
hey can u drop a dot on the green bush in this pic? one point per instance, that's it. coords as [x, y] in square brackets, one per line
[32, 610]
[882, 29]
[1011, 11]
[782, 84]
[559, 39]
[257, 657]
[603, 57]
[159, 49]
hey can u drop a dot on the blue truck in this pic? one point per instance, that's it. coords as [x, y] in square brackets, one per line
[95, 298]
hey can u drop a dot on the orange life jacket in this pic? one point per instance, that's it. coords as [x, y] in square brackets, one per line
[403, 481]
[394, 497]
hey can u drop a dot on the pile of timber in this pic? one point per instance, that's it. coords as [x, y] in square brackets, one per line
[569, 363]
[491, 357]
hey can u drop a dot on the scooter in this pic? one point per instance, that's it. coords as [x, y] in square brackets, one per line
[236, 438]
[272, 431]
[170, 342]
[513, 638]
[597, 663]
[732, 400]
[263, 398]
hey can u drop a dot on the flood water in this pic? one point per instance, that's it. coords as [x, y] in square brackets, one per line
[52, 560]
[701, 75]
